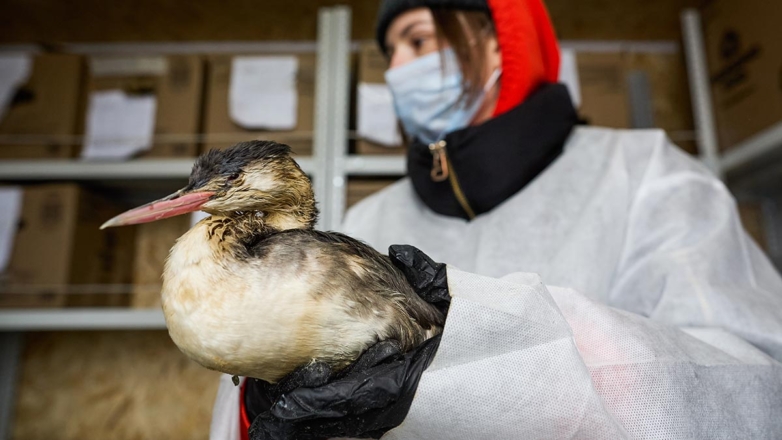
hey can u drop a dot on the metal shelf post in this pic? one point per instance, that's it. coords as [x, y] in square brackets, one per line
[697, 71]
[332, 95]
[753, 153]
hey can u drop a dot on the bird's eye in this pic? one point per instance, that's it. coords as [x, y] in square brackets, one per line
[233, 177]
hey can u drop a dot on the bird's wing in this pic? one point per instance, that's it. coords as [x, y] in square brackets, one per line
[345, 243]
[379, 265]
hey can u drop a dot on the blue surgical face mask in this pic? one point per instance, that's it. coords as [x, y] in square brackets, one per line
[428, 96]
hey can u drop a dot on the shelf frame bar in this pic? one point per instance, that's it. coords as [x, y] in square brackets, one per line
[81, 319]
[367, 165]
[341, 16]
[322, 134]
[697, 72]
[65, 169]
[332, 95]
[752, 149]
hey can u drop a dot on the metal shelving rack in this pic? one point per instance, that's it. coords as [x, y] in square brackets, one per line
[752, 169]
[329, 147]
[329, 167]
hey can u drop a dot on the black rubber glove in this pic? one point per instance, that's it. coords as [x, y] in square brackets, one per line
[370, 397]
[427, 278]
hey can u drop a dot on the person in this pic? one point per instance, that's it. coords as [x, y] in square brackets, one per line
[668, 323]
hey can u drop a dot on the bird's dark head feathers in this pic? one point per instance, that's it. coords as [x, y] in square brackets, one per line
[254, 176]
[233, 160]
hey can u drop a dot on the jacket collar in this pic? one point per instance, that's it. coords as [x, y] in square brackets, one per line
[488, 163]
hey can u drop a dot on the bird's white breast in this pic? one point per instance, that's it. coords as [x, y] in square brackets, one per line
[254, 317]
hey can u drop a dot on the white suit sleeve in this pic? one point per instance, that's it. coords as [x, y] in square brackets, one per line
[506, 360]
[520, 360]
[225, 412]
[688, 262]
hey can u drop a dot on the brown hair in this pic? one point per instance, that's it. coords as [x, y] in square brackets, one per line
[467, 32]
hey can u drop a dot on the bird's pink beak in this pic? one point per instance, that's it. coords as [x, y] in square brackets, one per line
[170, 206]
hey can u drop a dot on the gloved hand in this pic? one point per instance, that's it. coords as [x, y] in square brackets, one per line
[367, 399]
[428, 279]
[372, 397]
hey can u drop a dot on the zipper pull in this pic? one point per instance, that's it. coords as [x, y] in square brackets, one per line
[439, 161]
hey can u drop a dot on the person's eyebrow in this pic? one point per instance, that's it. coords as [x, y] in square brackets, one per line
[405, 32]
[410, 27]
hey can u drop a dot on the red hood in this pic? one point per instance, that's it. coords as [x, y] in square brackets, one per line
[528, 44]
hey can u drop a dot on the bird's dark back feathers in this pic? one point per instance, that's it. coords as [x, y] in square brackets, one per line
[339, 248]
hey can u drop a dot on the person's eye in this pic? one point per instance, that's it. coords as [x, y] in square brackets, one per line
[423, 44]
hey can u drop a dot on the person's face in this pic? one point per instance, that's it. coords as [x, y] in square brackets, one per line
[410, 36]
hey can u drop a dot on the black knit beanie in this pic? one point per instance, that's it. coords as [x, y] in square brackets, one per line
[390, 9]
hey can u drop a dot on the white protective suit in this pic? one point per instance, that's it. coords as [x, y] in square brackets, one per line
[667, 324]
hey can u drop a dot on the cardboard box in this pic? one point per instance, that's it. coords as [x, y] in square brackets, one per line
[360, 188]
[46, 112]
[666, 74]
[604, 96]
[604, 81]
[221, 132]
[61, 258]
[153, 243]
[744, 52]
[372, 66]
[177, 83]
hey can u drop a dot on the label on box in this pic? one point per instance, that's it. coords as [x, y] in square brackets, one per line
[10, 212]
[262, 93]
[128, 66]
[14, 71]
[376, 120]
[119, 126]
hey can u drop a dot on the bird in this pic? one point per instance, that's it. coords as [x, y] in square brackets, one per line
[255, 290]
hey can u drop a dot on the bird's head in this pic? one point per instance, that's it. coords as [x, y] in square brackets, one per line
[256, 178]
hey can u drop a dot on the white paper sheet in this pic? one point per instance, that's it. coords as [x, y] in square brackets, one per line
[376, 120]
[568, 74]
[262, 93]
[14, 71]
[197, 217]
[118, 125]
[10, 210]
